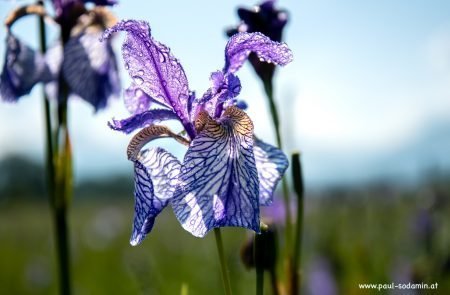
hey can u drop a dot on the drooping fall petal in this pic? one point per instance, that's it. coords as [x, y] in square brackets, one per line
[219, 181]
[271, 164]
[156, 173]
[23, 68]
[90, 69]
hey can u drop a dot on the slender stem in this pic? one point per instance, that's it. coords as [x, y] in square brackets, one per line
[274, 281]
[63, 192]
[223, 265]
[268, 88]
[260, 257]
[259, 282]
[59, 211]
[299, 190]
[48, 121]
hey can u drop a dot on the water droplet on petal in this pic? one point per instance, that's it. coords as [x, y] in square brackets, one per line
[127, 66]
[162, 58]
[164, 83]
[141, 72]
[138, 80]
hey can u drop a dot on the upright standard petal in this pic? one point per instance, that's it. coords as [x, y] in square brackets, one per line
[136, 100]
[271, 163]
[156, 172]
[23, 68]
[218, 184]
[152, 66]
[241, 45]
[90, 69]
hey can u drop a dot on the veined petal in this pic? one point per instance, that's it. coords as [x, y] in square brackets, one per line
[141, 120]
[152, 66]
[23, 68]
[148, 134]
[271, 164]
[155, 178]
[241, 45]
[90, 69]
[224, 88]
[136, 100]
[218, 181]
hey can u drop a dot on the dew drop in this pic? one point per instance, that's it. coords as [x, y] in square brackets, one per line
[140, 72]
[162, 58]
[127, 66]
[138, 80]
[164, 83]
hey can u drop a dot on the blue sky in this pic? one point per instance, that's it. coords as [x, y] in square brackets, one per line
[366, 98]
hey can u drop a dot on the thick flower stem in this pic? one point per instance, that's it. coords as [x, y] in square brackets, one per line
[57, 207]
[268, 88]
[223, 265]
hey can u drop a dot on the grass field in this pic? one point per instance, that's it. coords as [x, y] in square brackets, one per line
[350, 237]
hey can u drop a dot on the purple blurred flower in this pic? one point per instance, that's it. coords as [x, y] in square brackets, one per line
[17, 78]
[87, 66]
[321, 280]
[264, 18]
[226, 173]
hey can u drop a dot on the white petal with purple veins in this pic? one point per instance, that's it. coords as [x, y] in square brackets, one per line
[219, 181]
[156, 174]
[271, 163]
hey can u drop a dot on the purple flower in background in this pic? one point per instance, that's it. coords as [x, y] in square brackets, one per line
[226, 173]
[264, 18]
[22, 69]
[321, 280]
[87, 66]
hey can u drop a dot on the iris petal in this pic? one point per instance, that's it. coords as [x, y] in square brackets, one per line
[271, 163]
[152, 66]
[136, 100]
[241, 45]
[90, 69]
[156, 173]
[219, 181]
[141, 120]
[23, 68]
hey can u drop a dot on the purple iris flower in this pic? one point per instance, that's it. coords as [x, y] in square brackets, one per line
[87, 66]
[226, 173]
[22, 69]
[270, 21]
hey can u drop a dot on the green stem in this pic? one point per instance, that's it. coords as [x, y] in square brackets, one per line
[274, 281]
[48, 122]
[268, 88]
[299, 190]
[223, 265]
[58, 207]
[260, 255]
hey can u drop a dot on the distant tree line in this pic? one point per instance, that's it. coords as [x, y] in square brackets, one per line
[22, 178]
